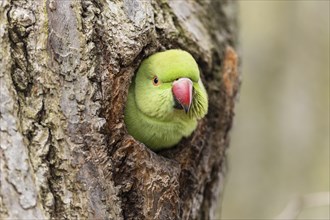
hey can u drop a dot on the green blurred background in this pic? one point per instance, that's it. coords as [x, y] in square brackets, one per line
[280, 139]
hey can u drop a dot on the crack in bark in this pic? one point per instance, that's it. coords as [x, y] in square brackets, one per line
[54, 211]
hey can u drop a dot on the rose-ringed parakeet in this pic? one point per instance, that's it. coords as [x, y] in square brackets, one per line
[165, 99]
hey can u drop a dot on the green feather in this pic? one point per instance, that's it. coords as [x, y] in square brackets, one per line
[150, 115]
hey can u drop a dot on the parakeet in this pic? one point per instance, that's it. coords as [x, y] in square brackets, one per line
[165, 99]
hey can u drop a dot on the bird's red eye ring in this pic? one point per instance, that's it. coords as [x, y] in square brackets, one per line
[155, 81]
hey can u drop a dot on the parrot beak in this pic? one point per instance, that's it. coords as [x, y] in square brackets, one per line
[182, 92]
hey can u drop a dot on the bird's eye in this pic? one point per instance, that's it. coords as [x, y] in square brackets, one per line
[155, 81]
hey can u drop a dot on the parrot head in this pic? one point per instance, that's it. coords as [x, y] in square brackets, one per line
[168, 85]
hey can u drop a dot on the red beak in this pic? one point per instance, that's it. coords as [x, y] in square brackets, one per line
[182, 92]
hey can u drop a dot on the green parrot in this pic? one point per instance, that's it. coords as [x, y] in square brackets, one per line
[165, 99]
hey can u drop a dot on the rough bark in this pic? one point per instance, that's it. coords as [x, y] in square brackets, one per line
[65, 69]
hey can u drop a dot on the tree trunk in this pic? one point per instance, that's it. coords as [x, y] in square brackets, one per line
[65, 71]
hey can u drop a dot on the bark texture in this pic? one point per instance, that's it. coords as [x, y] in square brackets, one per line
[65, 69]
